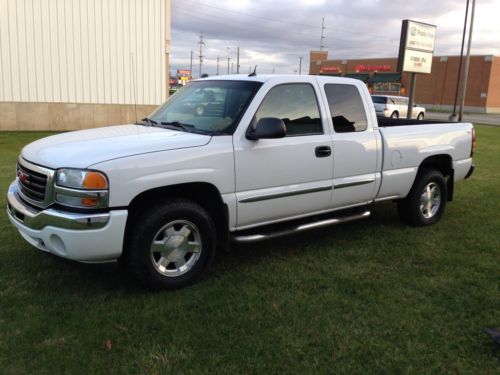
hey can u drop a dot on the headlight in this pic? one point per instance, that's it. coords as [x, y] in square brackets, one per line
[81, 179]
[81, 188]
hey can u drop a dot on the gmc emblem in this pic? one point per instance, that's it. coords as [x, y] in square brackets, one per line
[23, 177]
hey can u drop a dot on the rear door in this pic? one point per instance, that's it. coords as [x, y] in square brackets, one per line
[355, 147]
[290, 176]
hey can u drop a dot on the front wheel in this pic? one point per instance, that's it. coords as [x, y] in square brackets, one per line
[426, 201]
[170, 245]
[420, 116]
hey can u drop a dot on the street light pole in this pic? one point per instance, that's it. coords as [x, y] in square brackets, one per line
[467, 59]
[453, 116]
[300, 65]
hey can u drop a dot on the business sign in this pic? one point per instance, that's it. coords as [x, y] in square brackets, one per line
[330, 69]
[417, 62]
[372, 68]
[421, 36]
[183, 72]
[416, 47]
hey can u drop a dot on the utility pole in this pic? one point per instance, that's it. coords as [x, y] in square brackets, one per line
[238, 61]
[228, 59]
[201, 43]
[300, 65]
[321, 44]
[453, 116]
[467, 58]
[218, 61]
[191, 67]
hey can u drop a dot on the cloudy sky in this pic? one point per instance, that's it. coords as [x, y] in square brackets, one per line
[274, 33]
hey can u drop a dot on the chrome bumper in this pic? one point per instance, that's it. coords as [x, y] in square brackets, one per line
[35, 219]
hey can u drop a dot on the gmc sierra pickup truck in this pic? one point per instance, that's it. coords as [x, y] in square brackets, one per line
[230, 159]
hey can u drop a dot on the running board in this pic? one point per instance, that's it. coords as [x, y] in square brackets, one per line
[297, 228]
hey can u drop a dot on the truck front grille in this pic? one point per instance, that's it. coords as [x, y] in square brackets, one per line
[32, 185]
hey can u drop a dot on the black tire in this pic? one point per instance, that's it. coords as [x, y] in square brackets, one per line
[153, 223]
[394, 114]
[420, 116]
[418, 210]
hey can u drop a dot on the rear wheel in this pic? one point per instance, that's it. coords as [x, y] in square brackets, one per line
[426, 201]
[395, 115]
[170, 245]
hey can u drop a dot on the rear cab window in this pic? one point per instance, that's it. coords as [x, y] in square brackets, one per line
[346, 108]
[379, 99]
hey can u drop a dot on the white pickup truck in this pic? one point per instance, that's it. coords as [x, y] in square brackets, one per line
[225, 159]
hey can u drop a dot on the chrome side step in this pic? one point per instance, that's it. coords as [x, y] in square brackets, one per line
[268, 234]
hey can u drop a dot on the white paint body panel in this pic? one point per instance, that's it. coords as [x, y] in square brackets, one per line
[83, 148]
[377, 164]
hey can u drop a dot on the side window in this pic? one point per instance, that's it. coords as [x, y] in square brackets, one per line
[296, 105]
[346, 107]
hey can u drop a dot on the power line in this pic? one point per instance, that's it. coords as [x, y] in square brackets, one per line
[310, 26]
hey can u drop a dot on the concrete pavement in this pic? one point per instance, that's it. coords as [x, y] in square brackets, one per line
[477, 118]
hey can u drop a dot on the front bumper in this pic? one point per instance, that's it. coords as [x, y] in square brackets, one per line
[77, 236]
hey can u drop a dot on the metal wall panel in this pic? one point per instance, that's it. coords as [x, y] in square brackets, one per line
[83, 51]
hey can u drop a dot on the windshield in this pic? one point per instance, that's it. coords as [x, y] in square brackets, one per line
[379, 99]
[212, 107]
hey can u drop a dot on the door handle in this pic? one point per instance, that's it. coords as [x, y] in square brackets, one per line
[323, 151]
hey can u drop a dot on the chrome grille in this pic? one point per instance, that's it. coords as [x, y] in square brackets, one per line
[32, 185]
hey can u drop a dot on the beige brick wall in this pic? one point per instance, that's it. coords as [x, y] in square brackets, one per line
[67, 116]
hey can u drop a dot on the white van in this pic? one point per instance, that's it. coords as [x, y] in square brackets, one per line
[395, 107]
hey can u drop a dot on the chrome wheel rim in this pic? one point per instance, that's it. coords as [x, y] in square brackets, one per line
[430, 200]
[176, 248]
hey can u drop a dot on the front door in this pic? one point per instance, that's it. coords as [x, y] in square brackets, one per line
[290, 176]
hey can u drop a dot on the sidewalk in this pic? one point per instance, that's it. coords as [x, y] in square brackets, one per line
[477, 118]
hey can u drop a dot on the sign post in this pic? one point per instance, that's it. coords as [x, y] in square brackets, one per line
[416, 48]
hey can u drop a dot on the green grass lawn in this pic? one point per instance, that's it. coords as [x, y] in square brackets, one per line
[368, 296]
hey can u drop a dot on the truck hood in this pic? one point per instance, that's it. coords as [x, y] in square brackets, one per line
[81, 149]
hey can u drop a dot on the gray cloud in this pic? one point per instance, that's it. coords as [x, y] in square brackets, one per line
[273, 34]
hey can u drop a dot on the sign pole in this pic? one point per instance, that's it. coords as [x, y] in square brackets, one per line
[413, 83]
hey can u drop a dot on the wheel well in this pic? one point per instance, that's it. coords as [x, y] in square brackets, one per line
[204, 194]
[442, 163]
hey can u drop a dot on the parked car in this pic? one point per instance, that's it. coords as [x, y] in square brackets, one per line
[285, 154]
[396, 107]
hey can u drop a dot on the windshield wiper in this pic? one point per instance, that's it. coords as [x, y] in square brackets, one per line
[179, 125]
[176, 125]
[148, 121]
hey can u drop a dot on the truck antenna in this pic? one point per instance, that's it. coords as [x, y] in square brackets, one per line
[254, 73]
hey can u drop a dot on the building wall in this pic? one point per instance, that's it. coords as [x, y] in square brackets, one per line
[84, 53]
[438, 88]
[493, 100]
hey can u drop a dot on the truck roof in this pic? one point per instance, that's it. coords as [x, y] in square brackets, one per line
[291, 77]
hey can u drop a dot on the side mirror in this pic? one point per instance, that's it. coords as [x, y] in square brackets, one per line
[267, 128]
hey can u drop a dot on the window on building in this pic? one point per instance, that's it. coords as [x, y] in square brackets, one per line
[296, 105]
[346, 108]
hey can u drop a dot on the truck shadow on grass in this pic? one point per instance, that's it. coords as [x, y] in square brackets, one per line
[299, 247]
